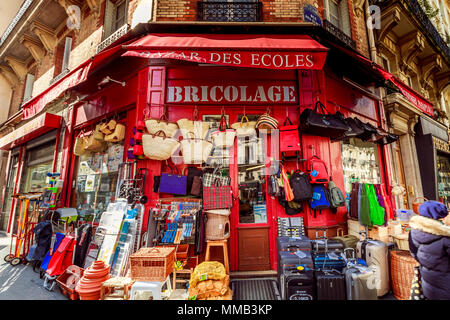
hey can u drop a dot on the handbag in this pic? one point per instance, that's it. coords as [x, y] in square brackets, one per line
[173, 183]
[198, 128]
[196, 188]
[161, 124]
[209, 178]
[369, 133]
[217, 196]
[93, 145]
[224, 136]
[158, 146]
[322, 124]
[354, 128]
[266, 122]
[289, 137]
[98, 135]
[156, 182]
[78, 148]
[195, 151]
[244, 130]
[192, 172]
[118, 134]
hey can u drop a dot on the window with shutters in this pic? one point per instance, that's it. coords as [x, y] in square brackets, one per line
[115, 16]
[62, 58]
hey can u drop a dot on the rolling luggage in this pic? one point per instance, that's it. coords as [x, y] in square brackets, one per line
[359, 280]
[330, 285]
[323, 261]
[298, 285]
[375, 253]
[293, 243]
[323, 245]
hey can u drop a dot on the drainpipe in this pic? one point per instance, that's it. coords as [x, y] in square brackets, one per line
[370, 35]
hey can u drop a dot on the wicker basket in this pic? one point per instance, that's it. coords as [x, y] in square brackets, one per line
[152, 264]
[402, 273]
[401, 240]
[217, 227]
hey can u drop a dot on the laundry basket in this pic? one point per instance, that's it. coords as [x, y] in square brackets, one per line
[402, 273]
[217, 226]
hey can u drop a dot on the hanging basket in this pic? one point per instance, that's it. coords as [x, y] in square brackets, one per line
[195, 151]
[402, 273]
[416, 204]
[198, 128]
[159, 147]
[155, 125]
[246, 129]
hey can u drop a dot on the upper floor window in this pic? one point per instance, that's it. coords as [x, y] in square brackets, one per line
[116, 13]
[336, 12]
[229, 10]
[29, 83]
[62, 56]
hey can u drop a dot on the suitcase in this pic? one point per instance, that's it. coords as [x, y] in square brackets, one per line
[293, 243]
[323, 262]
[359, 281]
[375, 253]
[288, 261]
[330, 285]
[323, 245]
[298, 285]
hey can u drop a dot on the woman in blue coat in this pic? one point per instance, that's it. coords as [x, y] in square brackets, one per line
[429, 243]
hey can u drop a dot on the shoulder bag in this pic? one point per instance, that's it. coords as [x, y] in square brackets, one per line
[322, 124]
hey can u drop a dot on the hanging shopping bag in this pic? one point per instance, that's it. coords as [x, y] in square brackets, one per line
[217, 196]
[224, 136]
[289, 194]
[198, 128]
[118, 134]
[320, 122]
[244, 129]
[289, 137]
[98, 135]
[161, 124]
[78, 148]
[195, 151]
[376, 211]
[158, 146]
[173, 183]
[266, 122]
[209, 178]
[93, 145]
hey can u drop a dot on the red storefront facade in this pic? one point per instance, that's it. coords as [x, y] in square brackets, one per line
[157, 84]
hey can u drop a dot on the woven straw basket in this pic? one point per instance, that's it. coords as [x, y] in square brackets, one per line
[158, 146]
[402, 273]
[217, 227]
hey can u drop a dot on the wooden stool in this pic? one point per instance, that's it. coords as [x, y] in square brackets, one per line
[187, 270]
[116, 289]
[218, 243]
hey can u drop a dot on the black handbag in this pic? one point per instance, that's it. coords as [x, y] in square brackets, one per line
[387, 139]
[322, 124]
[191, 173]
[354, 128]
[369, 133]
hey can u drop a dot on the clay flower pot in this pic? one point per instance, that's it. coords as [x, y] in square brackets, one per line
[90, 284]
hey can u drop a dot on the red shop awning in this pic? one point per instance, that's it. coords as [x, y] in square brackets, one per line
[35, 128]
[73, 78]
[415, 98]
[281, 52]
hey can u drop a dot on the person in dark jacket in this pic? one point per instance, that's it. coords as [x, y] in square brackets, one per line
[429, 243]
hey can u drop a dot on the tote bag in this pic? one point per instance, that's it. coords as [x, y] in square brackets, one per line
[173, 183]
[244, 129]
[289, 137]
[224, 137]
[195, 151]
[217, 196]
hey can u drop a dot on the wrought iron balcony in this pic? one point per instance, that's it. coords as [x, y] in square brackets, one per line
[16, 19]
[429, 27]
[59, 76]
[242, 11]
[338, 33]
[112, 38]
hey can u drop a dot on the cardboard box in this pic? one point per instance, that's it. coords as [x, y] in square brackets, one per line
[354, 227]
[379, 233]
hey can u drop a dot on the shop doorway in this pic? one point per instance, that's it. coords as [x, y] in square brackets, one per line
[251, 217]
[6, 210]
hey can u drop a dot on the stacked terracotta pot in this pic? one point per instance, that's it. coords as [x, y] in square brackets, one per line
[90, 284]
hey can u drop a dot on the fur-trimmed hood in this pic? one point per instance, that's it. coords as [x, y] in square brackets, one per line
[429, 225]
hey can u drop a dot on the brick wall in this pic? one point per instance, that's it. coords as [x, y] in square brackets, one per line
[174, 10]
[358, 29]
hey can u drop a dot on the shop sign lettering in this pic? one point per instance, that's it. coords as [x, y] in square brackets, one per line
[232, 93]
[267, 60]
[441, 145]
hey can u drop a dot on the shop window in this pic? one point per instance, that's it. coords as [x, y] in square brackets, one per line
[251, 172]
[443, 175]
[6, 210]
[360, 162]
[337, 14]
[96, 180]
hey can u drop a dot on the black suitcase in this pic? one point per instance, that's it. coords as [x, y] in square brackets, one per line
[293, 243]
[323, 244]
[289, 261]
[330, 285]
[298, 285]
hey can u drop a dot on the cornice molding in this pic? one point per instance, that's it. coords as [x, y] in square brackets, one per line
[34, 46]
[18, 66]
[46, 35]
[411, 46]
[9, 75]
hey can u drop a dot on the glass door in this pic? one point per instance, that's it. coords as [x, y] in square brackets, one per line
[7, 202]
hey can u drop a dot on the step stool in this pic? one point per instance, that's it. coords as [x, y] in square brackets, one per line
[154, 287]
[116, 289]
[218, 243]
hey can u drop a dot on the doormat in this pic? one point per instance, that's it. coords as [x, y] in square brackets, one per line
[255, 289]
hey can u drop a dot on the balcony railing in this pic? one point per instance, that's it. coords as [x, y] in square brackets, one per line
[338, 33]
[59, 76]
[114, 37]
[250, 11]
[16, 19]
[428, 25]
